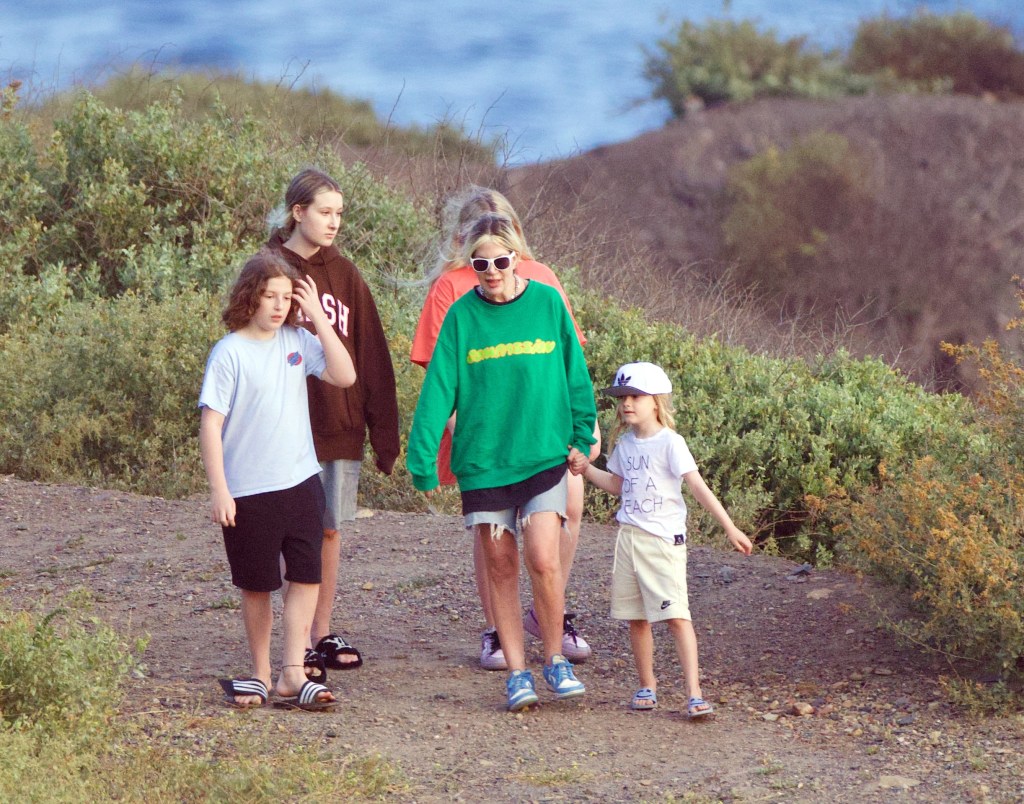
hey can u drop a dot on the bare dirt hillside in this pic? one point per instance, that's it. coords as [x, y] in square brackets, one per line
[814, 701]
[930, 259]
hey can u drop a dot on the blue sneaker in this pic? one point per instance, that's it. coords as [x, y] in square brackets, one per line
[560, 678]
[520, 690]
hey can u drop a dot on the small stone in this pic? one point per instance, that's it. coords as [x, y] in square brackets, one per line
[883, 671]
[771, 717]
[906, 720]
[727, 574]
[897, 782]
[367, 586]
[820, 594]
[802, 709]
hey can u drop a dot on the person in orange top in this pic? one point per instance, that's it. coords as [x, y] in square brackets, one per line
[449, 281]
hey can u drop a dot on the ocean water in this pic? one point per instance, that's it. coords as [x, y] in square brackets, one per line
[548, 77]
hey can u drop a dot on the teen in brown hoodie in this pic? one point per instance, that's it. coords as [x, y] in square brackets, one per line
[340, 417]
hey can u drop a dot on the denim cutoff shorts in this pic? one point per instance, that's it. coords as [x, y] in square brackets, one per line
[550, 501]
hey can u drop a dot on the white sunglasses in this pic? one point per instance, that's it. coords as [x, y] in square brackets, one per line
[483, 264]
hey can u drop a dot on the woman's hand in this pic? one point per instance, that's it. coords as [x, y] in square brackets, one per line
[578, 462]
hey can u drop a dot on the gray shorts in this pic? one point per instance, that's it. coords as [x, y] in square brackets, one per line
[550, 501]
[341, 487]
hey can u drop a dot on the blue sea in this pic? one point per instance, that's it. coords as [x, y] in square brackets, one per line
[548, 77]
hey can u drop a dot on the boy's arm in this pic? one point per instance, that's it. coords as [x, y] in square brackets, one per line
[606, 481]
[706, 497]
[340, 370]
[211, 445]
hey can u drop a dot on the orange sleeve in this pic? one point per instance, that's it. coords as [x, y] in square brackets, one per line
[439, 299]
[539, 271]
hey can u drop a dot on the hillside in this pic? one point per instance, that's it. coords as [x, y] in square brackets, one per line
[932, 259]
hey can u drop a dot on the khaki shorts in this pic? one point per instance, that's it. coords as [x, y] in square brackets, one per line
[648, 578]
[341, 487]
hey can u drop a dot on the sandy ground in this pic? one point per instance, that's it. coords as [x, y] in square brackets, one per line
[875, 725]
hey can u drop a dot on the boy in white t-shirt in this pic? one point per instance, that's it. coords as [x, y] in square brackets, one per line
[264, 477]
[649, 573]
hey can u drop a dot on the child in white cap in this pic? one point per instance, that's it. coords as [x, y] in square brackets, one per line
[649, 572]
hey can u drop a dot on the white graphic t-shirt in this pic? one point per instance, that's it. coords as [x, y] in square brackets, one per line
[260, 387]
[651, 470]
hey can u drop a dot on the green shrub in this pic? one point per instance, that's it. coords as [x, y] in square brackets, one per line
[150, 187]
[733, 61]
[946, 526]
[60, 672]
[106, 395]
[303, 113]
[949, 533]
[155, 203]
[972, 55]
[784, 206]
[768, 432]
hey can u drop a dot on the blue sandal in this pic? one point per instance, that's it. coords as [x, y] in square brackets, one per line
[698, 707]
[644, 700]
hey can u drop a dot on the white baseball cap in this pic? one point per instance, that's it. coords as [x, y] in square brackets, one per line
[634, 379]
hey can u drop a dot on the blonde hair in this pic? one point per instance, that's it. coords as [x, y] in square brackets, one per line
[663, 411]
[490, 228]
[461, 210]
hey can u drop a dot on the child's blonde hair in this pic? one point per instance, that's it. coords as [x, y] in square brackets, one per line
[663, 411]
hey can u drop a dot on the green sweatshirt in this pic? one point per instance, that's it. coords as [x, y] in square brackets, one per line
[516, 376]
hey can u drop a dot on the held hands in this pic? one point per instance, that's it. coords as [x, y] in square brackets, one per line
[578, 462]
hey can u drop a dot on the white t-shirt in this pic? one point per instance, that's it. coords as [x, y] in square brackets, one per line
[260, 387]
[652, 470]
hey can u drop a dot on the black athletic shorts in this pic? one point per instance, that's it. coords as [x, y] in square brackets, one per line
[267, 526]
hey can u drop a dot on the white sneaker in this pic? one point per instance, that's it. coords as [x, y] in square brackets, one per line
[492, 657]
[574, 646]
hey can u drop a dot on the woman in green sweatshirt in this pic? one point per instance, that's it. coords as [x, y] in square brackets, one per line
[509, 363]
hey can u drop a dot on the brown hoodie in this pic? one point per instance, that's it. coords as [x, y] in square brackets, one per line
[341, 416]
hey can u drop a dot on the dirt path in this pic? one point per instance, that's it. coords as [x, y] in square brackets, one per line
[879, 730]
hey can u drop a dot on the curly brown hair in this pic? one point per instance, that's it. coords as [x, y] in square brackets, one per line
[244, 298]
